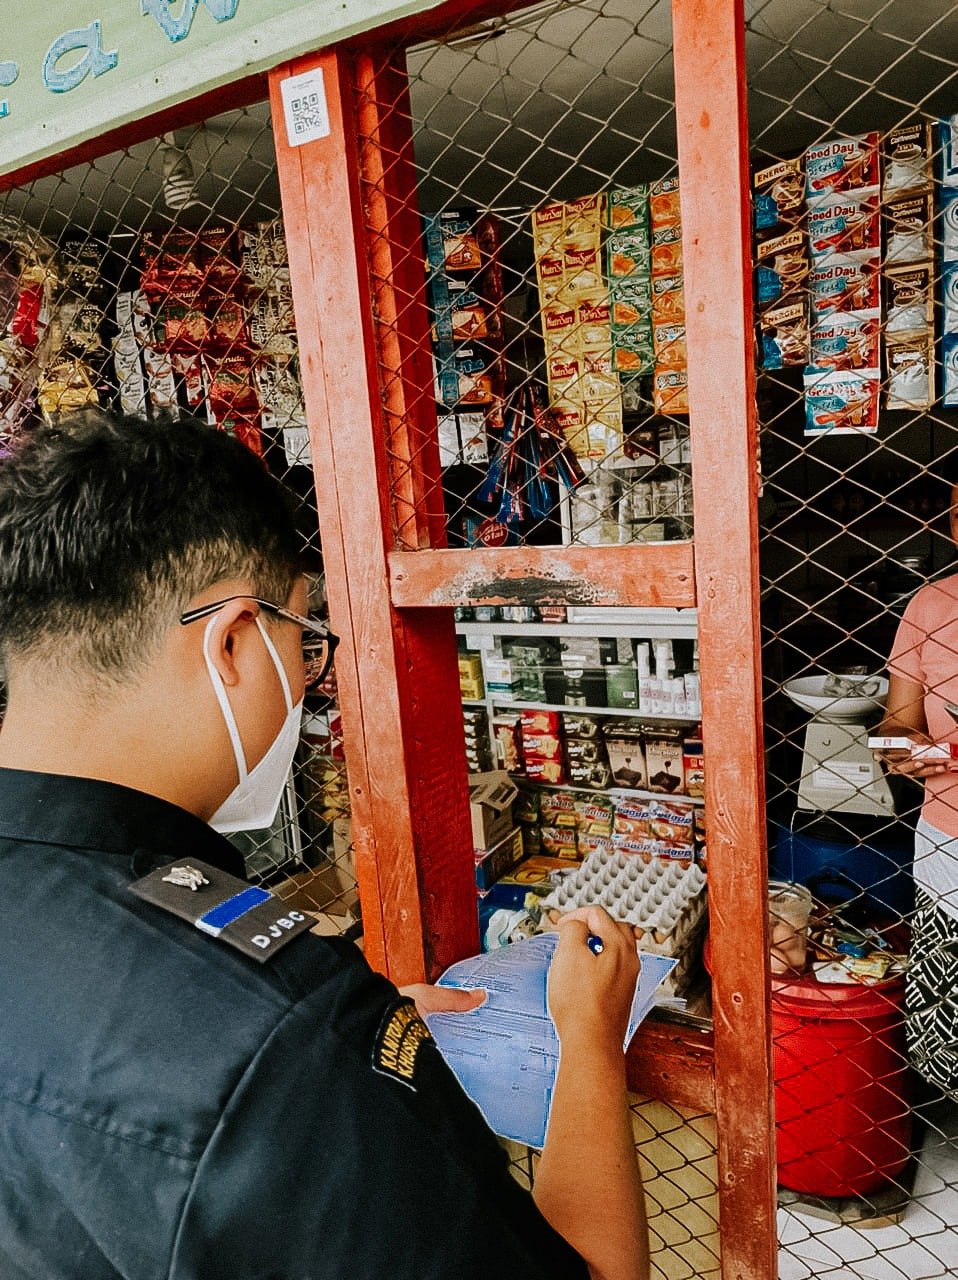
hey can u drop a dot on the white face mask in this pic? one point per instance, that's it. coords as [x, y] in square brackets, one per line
[253, 802]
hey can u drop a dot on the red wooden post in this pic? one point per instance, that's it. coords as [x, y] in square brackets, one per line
[396, 671]
[710, 89]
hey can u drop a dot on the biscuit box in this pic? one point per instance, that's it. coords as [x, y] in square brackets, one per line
[494, 864]
[491, 796]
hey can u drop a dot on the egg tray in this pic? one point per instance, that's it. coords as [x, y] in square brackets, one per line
[663, 901]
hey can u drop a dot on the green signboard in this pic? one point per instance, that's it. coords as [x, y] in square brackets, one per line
[71, 69]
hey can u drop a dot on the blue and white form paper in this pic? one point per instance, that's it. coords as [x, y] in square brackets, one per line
[505, 1054]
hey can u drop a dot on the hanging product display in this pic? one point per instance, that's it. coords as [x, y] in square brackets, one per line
[842, 195]
[629, 256]
[670, 379]
[532, 455]
[584, 391]
[949, 263]
[908, 213]
[782, 263]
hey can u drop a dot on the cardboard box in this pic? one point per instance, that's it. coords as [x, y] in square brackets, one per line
[494, 864]
[491, 796]
[626, 756]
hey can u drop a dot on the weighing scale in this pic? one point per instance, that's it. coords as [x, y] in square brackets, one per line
[839, 773]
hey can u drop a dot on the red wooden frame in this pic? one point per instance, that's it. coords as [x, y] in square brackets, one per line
[710, 98]
[730, 1074]
[396, 672]
[350, 261]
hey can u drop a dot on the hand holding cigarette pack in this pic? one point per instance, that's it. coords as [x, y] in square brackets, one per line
[919, 750]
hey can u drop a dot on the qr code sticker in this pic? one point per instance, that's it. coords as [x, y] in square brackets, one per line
[307, 113]
[305, 108]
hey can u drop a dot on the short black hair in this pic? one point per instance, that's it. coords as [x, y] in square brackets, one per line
[110, 525]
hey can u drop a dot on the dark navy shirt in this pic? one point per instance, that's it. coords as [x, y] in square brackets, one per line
[170, 1108]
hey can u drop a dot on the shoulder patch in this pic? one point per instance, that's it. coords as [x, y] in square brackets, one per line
[249, 918]
[401, 1035]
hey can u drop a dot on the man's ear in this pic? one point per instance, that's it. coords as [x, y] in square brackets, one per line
[230, 632]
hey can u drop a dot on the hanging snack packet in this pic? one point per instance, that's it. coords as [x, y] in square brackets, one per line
[841, 165]
[784, 335]
[841, 402]
[629, 207]
[911, 373]
[909, 228]
[778, 194]
[845, 340]
[907, 159]
[845, 225]
[845, 282]
[909, 300]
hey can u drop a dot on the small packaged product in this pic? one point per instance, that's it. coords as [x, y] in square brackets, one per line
[911, 372]
[779, 196]
[782, 268]
[842, 401]
[588, 843]
[631, 817]
[664, 206]
[841, 165]
[671, 824]
[909, 300]
[909, 228]
[846, 225]
[949, 369]
[693, 765]
[663, 759]
[670, 391]
[594, 815]
[557, 809]
[907, 159]
[508, 739]
[559, 842]
[628, 207]
[785, 335]
[845, 282]
[845, 340]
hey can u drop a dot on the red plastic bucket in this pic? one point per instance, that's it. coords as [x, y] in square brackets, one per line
[841, 1074]
[841, 1085]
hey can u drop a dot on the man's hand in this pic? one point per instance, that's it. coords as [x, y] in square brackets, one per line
[429, 999]
[590, 995]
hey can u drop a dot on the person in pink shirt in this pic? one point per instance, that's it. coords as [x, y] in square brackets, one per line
[922, 705]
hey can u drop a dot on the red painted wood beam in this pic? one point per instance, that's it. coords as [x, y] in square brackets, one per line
[230, 97]
[396, 672]
[636, 575]
[710, 93]
[674, 1064]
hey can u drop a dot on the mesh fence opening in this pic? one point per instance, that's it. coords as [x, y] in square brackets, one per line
[851, 113]
[155, 282]
[544, 170]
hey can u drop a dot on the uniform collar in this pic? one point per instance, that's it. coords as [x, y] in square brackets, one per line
[86, 813]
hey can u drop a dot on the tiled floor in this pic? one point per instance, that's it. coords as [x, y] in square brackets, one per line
[923, 1246]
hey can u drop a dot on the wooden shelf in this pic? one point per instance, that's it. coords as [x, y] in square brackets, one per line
[611, 713]
[615, 791]
[644, 574]
[657, 624]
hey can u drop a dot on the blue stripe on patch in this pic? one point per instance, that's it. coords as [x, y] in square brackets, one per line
[217, 918]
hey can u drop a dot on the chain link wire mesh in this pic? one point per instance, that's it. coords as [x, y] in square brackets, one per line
[553, 281]
[154, 281]
[546, 407]
[853, 200]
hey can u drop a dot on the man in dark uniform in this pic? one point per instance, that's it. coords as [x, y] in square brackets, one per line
[237, 1099]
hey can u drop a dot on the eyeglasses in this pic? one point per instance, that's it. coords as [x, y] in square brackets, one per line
[319, 645]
